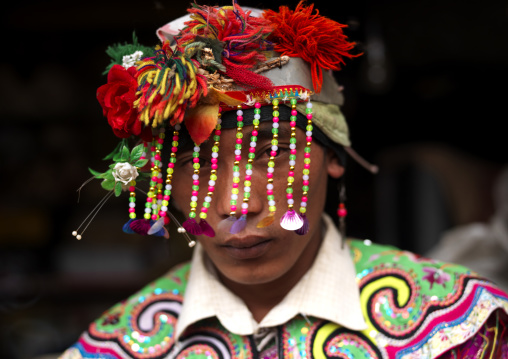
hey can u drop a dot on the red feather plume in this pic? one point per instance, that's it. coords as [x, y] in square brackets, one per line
[314, 38]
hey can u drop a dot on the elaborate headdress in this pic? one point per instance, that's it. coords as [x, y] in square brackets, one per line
[211, 62]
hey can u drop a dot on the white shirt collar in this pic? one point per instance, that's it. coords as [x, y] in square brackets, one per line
[327, 291]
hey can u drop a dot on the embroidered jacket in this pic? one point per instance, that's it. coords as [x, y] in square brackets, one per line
[414, 307]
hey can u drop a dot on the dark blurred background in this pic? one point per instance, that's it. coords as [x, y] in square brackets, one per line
[426, 102]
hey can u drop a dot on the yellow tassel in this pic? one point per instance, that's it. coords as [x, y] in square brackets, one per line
[163, 84]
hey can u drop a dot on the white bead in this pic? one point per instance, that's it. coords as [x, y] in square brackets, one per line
[195, 177]
[164, 208]
[239, 113]
[178, 127]
[275, 148]
[305, 177]
[270, 169]
[194, 198]
[257, 116]
[74, 233]
[78, 237]
[253, 144]
[292, 146]
[308, 133]
[148, 210]
[275, 125]
[181, 230]
[303, 204]
[154, 206]
[234, 196]
[215, 154]
[196, 149]
[159, 175]
[236, 174]
[292, 163]
[246, 189]
[245, 205]
[132, 204]
[269, 186]
[291, 201]
[238, 152]
[211, 183]
[208, 199]
[271, 203]
[248, 172]
[168, 187]
[309, 104]
[219, 121]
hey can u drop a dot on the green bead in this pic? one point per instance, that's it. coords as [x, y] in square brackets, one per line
[255, 122]
[196, 166]
[307, 150]
[246, 194]
[248, 166]
[257, 111]
[233, 202]
[306, 171]
[206, 204]
[275, 130]
[291, 179]
[289, 190]
[308, 110]
[303, 209]
[251, 155]
[202, 215]
[167, 192]
[213, 177]
[293, 118]
[172, 159]
[239, 135]
[159, 146]
[170, 170]
[216, 138]
[132, 215]
[247, 184]
[239, 124]
[236, 168]
[292, 140]
[305, 188]
[193, 204]
[293, 101]
[236, 180]
[192, 215]
[132, 199]
[195, 188]
[306, 160]
[275, 113]
[292, 157]
[253, 138]
[275, 142]
[238, 146]
[235, 191]
[215, 149]
[271, 164]
[195, 154]
[164, 202]
[148, 204]
[309, 128]
[275, 102]
[270, 197]
[147, 216]
[150, 194]
[174, 144]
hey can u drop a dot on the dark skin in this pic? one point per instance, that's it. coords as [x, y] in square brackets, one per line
[259, 265]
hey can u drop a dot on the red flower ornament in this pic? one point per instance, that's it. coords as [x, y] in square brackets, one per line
[117, 98]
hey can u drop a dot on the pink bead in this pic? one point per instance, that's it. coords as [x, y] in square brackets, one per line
[304, 199]
[154, 217]
[195, 193]
[154, 179]
[162, 214]
[175, 138]
[159, 196]
[132, 210]
[245, 210]
[257, 105]
[204, 209]
[306, 166]
[342, 212]
[307, 155]
[252, 150]
[214, 160]
[174, 149]
[309, 138]
[195, 182]
[269, 192]
[195, 160]
[149, 199]
[239, 118]
[160, 141]
[276, 119]
[293, 151]
[214, 166]
[292, 123]
[254, 133]
[233, 208]
[291, 174]
[157, 157]
[289, 195]
[166, 198]
[160, 180]
[273, 153]
[235, 185]
[218, 132]
[220, 109]
[305, 182]
[152, 148]
[171, 165]
[238, 158]
[211, 188]
[269, 175]
[239, 141]
[309, 116]
[294, 113]
[132, 189]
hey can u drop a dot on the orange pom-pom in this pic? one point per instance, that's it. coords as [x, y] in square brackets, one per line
[314, 38]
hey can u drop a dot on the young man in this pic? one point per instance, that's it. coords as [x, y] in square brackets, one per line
[253, 138]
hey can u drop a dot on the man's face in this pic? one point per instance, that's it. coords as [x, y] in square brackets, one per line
[257, 255]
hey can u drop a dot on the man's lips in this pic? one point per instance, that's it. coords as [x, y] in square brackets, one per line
[247, 247]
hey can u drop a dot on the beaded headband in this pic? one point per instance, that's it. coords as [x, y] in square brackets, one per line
[215, 60]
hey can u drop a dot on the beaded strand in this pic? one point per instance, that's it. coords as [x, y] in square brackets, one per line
[306, 171]
[291, 220]
[190, 224]
[268, 220]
